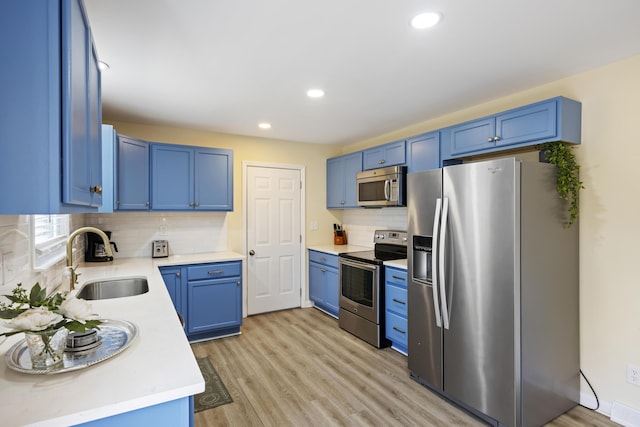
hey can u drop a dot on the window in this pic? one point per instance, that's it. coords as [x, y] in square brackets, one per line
[49, 234]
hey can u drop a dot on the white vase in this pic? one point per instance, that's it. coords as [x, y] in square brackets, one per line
[46, 348]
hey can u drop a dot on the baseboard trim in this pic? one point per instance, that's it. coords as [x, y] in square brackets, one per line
[616, 411]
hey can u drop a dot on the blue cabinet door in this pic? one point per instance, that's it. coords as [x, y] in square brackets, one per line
[213, 179]
[331, 291]
[81, 152]
[341, 180]
[214, 304]
[49, 109]
[423, 152]
[316, 293]
[391, 154]
[171, 177]
[172, 277]
[132, 178]
[532, 123]
[473, 136]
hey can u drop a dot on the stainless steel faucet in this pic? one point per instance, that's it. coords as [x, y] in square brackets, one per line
[70, 272]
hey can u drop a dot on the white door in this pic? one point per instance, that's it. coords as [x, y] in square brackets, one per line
[273, 239]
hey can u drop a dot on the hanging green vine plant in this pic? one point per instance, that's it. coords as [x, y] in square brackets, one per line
[568, 183]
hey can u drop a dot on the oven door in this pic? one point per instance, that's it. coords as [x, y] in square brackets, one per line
[360, 288]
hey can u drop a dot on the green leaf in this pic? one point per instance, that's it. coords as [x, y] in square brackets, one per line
[10, 313]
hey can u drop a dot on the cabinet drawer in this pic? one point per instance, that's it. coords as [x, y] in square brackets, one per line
[214, 270]
[396, 277]
[323, 258]
[396, 329]
[396, 300]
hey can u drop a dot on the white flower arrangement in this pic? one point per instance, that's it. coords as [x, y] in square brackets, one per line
[37, 312]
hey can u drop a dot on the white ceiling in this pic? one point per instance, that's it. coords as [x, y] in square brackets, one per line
[225, 65]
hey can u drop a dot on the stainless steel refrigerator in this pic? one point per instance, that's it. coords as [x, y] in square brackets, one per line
[493, 290]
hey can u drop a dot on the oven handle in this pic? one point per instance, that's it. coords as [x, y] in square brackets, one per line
[357, 264]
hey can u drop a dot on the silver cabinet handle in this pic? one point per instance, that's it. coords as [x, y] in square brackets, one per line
[323, 270]
[191, 204]
[238, 283]
[399, 278]
[148, 203]
[178, 275]
[96, 189]
[496, 138]
[490, 139]
[381, 161]
[211, 273]
[399, 302]
[197, 204]
[399, 330]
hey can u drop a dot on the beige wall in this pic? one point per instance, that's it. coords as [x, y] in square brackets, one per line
[312, 156]
[609, 232]
[610, 215]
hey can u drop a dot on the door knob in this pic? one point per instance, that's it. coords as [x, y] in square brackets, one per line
[252, 252]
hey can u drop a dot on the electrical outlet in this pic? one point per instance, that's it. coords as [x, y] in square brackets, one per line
[633, 374]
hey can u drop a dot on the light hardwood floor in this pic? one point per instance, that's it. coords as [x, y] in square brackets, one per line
[298, 368]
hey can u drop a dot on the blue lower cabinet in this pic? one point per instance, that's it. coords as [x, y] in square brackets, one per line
[396, 325]
[208, 296]
[323, 281]
[175, 413]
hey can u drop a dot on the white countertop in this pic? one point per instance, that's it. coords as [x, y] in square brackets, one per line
[338, 249]
[398, 263]
[158, 367]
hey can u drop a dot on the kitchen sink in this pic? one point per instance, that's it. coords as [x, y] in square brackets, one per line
[114, 288]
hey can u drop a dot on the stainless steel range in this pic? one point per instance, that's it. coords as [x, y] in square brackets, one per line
[361, 278]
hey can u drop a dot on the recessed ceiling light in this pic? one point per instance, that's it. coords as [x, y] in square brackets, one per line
[425, 20]
[315, 93]
[264, 125]
[103, 65]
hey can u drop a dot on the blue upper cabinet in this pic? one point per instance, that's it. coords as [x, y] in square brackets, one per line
[213, 179]
[391, 154]
[423, 152]
[341, 180]
[132, 174]
[50, 113]
[191, 178]
[556, 119]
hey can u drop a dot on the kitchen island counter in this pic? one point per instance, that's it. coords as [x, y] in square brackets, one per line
[157, 368]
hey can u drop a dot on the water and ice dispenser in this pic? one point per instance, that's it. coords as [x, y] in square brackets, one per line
[422, 258]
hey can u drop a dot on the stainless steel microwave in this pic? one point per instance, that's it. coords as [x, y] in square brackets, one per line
[382, 187]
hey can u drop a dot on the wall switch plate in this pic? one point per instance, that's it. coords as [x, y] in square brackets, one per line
[314, 225]
[164, 230]
[633, 374]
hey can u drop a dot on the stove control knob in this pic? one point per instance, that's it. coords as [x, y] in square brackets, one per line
[381, 237]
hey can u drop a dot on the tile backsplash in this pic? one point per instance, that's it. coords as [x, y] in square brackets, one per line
[16, 265]
[187, 232]
[362, 223]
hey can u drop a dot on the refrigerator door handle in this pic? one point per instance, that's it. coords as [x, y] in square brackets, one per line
[434, 263]
[441, 256]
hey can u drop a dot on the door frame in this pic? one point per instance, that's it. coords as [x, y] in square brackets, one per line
[304, 302]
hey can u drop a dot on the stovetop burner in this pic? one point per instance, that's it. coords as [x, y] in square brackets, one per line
[389, 245]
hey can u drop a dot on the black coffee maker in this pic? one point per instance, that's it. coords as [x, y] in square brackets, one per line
[95, 251]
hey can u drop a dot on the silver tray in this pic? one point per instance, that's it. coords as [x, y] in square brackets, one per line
[115, 336]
